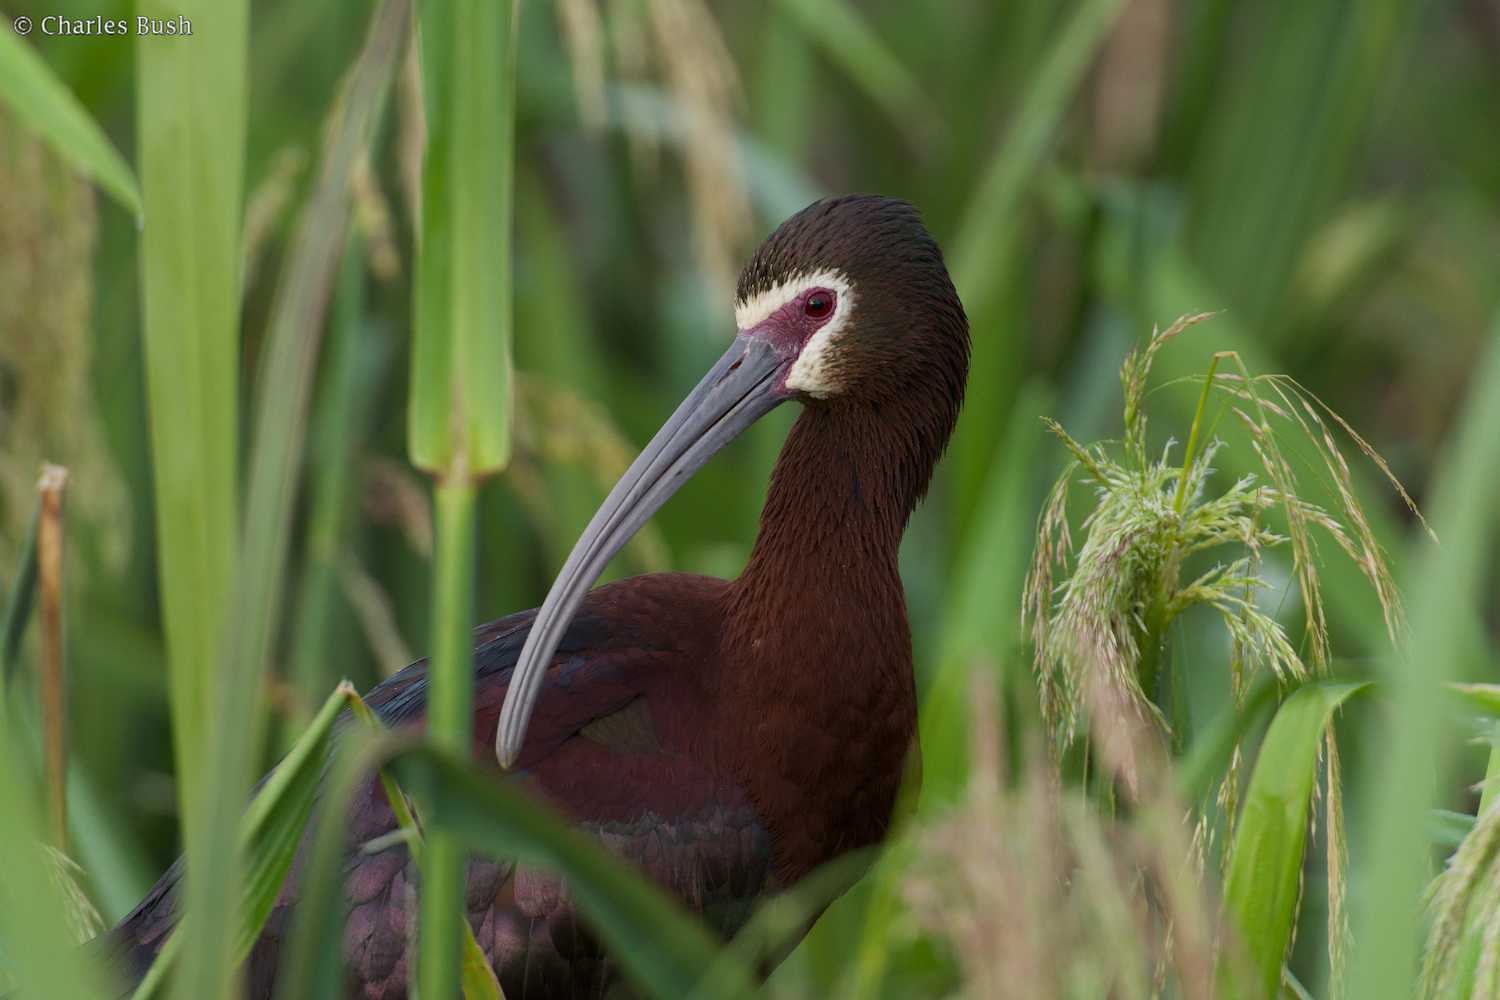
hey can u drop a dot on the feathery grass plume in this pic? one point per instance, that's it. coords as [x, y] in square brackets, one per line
[583, 33]
[1462, 957]
[1041, 896]
[681, 40]
[372, 214]
[1112, 610]
[48, 406]
[83, 919]
[1105, 623]
[558, 426]
[266, 210]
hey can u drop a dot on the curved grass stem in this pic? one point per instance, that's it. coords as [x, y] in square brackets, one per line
[1187, 458]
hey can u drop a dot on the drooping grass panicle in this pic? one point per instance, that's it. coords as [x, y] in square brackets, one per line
[1112, 610]
[1124, 588]
[1101, 627]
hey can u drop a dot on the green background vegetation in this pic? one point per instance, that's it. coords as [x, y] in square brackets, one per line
[1326, 172]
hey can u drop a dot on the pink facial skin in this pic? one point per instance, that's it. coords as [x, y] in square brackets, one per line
[789, 329]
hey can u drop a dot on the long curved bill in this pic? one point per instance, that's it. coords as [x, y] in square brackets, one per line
[736, 392]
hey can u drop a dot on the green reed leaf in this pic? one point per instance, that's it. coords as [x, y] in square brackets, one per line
[459, 417]
[841, 30]
[34, 92]
[982, 621]
[984, 253]
[662, 949]
[269, 833]
[1262, 887]
[1417, 752]
[461, 371]
[191, 100]
[37, 946]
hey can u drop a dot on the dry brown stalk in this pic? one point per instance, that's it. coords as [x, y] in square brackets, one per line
[49, 555]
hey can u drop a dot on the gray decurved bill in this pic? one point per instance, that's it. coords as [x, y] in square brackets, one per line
[735, 393]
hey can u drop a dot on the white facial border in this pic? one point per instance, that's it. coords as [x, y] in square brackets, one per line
[810, 373]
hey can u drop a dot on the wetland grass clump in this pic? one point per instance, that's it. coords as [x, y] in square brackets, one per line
[1123, 588]
[1100, 632]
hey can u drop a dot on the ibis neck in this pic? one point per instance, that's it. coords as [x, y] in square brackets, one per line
[836, 508]
[816, 642]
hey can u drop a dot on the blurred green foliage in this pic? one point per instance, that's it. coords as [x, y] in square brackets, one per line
[1325, 171]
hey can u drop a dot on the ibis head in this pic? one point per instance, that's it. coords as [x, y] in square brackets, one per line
[846, 307]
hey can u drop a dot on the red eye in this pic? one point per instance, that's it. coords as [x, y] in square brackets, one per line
[818, 305]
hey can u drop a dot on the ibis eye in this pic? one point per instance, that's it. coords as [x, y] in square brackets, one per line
[818, 305]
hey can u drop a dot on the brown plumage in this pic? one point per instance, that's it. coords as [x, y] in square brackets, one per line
[726, 737]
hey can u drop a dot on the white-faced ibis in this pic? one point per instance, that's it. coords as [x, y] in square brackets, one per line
[727, 737]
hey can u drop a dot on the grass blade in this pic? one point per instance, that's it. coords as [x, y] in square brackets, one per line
[38, 948]
[985, 251]
[357, 357]
[459, 417]
[1417, 753]
[1263, 884]
[841, 30]
[1486, 697]
[663, 949]
[275, 463]
[19, 605]
[33, 91]
[191, 105]
[315, 956]
[460, 406]
[272, 827]
[983, 616]
[269, 833]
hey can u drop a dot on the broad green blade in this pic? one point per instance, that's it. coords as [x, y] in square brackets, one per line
[191, 98]
[1261, 889]
[285, 385]
[982, 619]
[460, 383]
[1448, 828]
[1416, 753]
[841, 30]
[270, 831]
[1483, 697]
[663, 950]
[475, 975]
[984, 255]
[314, 963]
[459, 414]
[36, 944]
[1486, 698]
[33, 91]
[1279, 152]
[272, 827]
